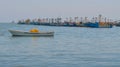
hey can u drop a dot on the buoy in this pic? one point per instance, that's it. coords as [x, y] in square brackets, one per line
[34, 30]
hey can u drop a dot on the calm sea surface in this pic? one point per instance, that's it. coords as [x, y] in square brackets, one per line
[70, 47]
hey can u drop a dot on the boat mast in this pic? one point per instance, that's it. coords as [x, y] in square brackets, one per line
[100, 17]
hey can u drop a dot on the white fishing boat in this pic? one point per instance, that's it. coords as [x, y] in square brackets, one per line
[25, 33]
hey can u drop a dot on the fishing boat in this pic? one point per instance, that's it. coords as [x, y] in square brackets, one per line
[98, 25]
[26, 33]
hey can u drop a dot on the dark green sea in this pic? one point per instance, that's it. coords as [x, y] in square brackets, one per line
[69, 47]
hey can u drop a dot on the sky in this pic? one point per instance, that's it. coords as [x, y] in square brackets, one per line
[14, 10]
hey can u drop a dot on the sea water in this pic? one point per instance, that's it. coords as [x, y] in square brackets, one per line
[69, 47]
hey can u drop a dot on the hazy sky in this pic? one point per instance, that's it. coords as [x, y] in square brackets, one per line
[23, 9]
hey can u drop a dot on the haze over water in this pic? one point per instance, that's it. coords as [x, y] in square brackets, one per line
[14, 10]
[70, 47]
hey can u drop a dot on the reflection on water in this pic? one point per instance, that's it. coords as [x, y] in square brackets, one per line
[35, 41]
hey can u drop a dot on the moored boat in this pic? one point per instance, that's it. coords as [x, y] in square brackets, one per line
[98, 25]
[25, 33]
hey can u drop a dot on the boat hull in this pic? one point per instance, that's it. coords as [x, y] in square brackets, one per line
[21, 33]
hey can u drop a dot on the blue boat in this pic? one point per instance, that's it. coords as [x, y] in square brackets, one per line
[98, 25]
